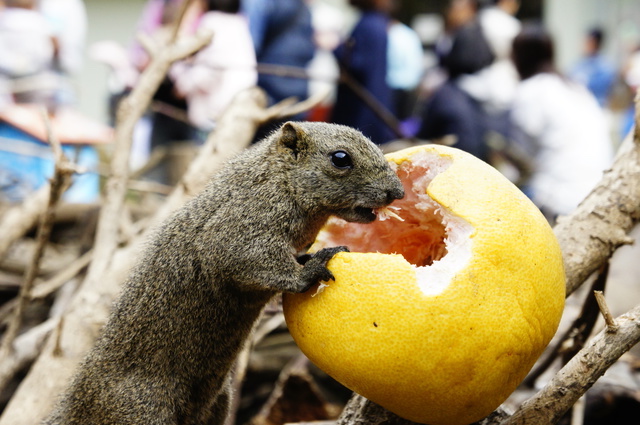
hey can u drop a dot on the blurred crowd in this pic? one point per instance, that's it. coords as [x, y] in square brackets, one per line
[502, 97]
[41, 46]
[494, 90]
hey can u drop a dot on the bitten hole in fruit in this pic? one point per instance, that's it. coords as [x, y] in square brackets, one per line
[428, 236]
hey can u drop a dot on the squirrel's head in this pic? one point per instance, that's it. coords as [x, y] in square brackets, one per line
[335, 169]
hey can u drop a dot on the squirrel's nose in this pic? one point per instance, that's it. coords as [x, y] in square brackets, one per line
[396, 193]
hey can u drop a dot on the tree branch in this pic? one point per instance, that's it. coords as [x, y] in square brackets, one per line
[63, 170]
[129, 113]
[579, 374]
[19, 219]
[591, 234]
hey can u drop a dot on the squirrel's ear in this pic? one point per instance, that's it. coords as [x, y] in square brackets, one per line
[292, 139]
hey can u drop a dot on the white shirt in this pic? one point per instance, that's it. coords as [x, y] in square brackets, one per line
[563, 122]
[404, 57]
[219, 71]
[26, 46]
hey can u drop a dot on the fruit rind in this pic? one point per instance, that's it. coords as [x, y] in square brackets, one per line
[449, 358]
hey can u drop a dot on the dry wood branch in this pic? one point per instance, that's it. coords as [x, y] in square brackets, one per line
[60, 181]
[574, 338]
[289, 107]
[129, 112]
[296, 397]
[573, 380]
[149, 187]
[360, 411]
[234, 131]
[49, 286]
[589, 236]
[606, 313]
[19, 219]
[262, 329]
[11, 358]
[26, 348]
[312, 423]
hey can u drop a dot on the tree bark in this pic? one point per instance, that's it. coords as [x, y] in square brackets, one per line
[579, 374]
[591, 234]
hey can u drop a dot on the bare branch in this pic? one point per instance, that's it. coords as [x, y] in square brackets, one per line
[10, 359]
[573, 380]
[59, 183]
[606, 313]
[129, 112]
[360, 411]
[574, 338]
[234, 131]
[590, 235]
[289, 107]
[48, 287]
[26, 348]
[19, 219]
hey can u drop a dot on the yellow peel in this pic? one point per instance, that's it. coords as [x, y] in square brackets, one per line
[439, 317]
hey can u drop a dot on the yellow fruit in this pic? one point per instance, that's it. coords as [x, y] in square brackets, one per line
[439, 317]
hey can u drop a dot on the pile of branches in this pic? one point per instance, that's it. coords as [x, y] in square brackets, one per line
[63, 302]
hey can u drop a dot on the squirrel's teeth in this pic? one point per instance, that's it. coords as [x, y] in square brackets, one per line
[386, 213]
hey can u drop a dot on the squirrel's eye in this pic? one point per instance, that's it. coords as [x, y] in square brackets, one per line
[341, 160]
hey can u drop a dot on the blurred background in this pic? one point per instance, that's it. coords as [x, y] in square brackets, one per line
[568, 20]
[541, 89]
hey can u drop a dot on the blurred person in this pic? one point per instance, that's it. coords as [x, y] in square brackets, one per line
[457, 15]
[363, 57]
[560, 123]
[28, 49]
[158, 14]
[328, 24]
[494, 86]
[405, 59]
[469, 51]
[164, 127]
[68, 20]
[282, 34]
[631, 77]
[211, 79]
[500, 25]
[594, 70]
[450, 110]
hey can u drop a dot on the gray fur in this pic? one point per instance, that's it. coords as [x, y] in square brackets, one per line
[190, 303]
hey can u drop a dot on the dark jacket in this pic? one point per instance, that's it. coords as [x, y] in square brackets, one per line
[364, 57]
[451, 111]
[282, 35]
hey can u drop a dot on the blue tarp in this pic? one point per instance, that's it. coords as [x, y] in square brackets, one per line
[26, 164]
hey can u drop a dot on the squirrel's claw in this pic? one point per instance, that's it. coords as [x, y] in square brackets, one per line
[315, 266]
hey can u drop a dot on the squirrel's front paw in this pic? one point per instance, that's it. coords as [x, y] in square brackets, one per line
[315, 267]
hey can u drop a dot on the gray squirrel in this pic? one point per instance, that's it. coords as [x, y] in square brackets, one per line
[191, 301]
